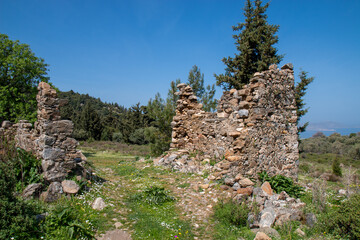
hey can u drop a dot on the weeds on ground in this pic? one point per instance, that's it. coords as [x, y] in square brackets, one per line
[281, 183]
[155, 216]
[231, 220]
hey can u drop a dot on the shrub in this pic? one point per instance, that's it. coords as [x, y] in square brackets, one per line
[345, 221]
[117, 137]
[65, 222]
[17, 217]
[138, 137]
[281, 183]
[153, 195]
[336, 167]
[231, 213]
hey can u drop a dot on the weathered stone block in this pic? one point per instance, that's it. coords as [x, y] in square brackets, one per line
[50, 153]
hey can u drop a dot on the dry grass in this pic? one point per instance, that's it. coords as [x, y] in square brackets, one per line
[108, 146]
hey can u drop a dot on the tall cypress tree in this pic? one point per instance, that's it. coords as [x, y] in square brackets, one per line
[255, 45]
[300, 91]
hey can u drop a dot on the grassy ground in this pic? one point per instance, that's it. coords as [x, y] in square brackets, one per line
[155, 203]
[129, 177]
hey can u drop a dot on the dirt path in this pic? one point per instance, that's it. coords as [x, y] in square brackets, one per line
[195, 198]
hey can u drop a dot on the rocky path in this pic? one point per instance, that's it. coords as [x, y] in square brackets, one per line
[195, 198]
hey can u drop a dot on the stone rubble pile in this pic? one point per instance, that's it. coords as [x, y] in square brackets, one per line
[50, 140]
[253, 130]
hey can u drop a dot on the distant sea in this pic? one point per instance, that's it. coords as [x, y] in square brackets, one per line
[342, 131]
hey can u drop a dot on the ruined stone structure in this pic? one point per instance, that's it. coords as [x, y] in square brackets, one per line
[253, 130]
[50, 140]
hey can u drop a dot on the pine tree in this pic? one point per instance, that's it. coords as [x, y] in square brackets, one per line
[255, 45]
[205, 95]
[300, 91]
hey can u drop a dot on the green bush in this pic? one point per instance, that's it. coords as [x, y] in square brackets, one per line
[153, 195]
[281, 183]
[64, 222]
[159, 141]
[27, 169]
[118, 137]
[231, 213]
[345, 221]
[336, 168]
[138, 137]
[17, 217]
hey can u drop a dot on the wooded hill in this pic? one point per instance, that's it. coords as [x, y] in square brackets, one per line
[97, 120]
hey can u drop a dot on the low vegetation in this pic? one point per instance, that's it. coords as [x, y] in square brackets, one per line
[281, 183]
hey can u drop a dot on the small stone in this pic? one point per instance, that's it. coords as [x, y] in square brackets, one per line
[204, 186]
[310, 219]
[229, 181]
[267, 218]
[6, 124]
[98, 204]
[243, 113]
[232, 91]
[32, 190]
[222, 115]
[224, 187]
[266, 187]
[268, 231]
[289, 66]
[246, 182]
[70, 186]
[53, 192]
[261, 236]
[236, 186]
[238, 177]
[342, 191]
[234, 134]
[246, 191]
[118, 225]
[233, 158]
[283, 195]
[299, 232]
[273, 67]
[116, 234]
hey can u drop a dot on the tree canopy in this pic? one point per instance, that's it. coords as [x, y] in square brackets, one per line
[204, 94]
[20, 73]
[255, 47]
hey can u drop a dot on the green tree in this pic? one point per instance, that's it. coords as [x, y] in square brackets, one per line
[336, 167]
[90, 122]
[159, 133]
[255, 46]
[20, 73]
[205, 95]
[300, 91]
[172, 97]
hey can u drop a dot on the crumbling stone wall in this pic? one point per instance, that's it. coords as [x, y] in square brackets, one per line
[50, 138]
[253, 130]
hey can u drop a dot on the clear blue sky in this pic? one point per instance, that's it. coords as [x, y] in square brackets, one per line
[127, 51]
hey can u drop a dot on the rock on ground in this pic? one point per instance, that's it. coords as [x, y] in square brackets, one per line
[115, 235]
[99, 204]
[70, 186]
[32, 190]
[261, 236]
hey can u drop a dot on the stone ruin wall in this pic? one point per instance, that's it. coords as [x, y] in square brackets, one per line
[253, 130]
[50, 139]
